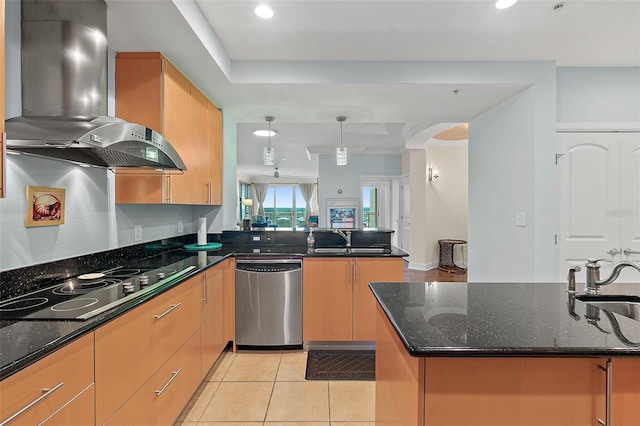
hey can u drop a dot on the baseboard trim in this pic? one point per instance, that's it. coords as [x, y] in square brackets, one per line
[423, 266]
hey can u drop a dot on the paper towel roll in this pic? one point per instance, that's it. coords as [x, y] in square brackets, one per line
[202, 231]
[202, 259]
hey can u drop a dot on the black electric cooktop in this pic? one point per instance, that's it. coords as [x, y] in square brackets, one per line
[89, 295]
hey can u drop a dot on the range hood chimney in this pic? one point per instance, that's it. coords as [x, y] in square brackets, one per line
[64, 93]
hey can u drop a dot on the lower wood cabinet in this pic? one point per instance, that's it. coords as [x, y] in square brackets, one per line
[58, 388]
[337, 302]
[213, 332]
[131, 348]
[161, 399]
[498, 391]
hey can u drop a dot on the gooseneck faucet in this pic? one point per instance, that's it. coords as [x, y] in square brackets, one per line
[346, 236]
[593, 281]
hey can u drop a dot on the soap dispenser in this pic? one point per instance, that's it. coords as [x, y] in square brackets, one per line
[310, 240]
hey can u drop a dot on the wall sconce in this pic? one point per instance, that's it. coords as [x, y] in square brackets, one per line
[433, 175]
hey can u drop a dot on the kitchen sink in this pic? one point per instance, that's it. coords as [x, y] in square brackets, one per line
[351, 250]
[626, 305]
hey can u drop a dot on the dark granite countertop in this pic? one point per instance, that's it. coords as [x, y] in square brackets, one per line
[504, 319]
[24, 342]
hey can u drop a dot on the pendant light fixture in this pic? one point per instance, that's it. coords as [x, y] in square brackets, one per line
[341, 151]
[269, 154]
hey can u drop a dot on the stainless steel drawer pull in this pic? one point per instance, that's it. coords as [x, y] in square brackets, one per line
[174, 375]
[168, 310]
[46, 393]
[609, 370]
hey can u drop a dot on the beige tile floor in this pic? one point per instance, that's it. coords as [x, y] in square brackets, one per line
[269, 389]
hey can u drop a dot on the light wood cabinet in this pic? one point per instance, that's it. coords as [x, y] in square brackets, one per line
[505, 391]
[138, 343]
[625, 396]
[337, 302]
[327, 299]
[161, 399]
[229, 300]
[153, 92]
[213, 332]
[364, 302]
[2, 128]
[64, 377]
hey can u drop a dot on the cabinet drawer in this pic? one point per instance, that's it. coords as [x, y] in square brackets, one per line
[69, 370]
[132, 347]
[77, 412]
[176, 381]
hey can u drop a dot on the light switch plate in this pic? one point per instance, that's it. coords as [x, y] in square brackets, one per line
[138, 233]
[180, 227]
[521, 219]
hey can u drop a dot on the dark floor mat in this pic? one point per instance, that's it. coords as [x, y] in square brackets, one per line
[341, 365]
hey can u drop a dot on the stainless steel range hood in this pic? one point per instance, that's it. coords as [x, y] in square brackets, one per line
[64, 93]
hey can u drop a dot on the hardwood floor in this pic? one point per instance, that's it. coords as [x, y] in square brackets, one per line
[431, 275]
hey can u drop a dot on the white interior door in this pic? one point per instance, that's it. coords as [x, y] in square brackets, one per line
[630, 199]
[589, 198]
[405, 214]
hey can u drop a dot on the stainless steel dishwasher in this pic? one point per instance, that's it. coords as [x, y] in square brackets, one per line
[269, 303]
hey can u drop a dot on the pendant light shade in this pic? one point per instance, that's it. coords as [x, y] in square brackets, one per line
[341, 151]
[341, 156]
[269, 154]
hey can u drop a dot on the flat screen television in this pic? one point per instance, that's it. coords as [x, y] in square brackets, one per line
[342, 217]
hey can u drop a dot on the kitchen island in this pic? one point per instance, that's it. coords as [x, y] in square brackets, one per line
[502, 354]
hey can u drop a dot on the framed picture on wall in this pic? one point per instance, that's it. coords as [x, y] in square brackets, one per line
[45, 206]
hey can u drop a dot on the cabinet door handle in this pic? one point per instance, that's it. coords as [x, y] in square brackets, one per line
[30, 405]
[206, 290]
[174, 374]
[357, 267]
[609, 370]
[168, 310]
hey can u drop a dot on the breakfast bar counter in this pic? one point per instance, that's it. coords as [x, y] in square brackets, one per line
[503, 354]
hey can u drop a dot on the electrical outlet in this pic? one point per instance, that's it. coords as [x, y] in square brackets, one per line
[137, 233]
[180, 227]
[255, 238]
[521, 219]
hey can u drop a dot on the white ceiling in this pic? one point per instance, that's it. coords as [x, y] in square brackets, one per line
[306, 65]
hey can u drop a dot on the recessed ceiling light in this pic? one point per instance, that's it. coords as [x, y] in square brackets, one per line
[265, 133]
[264, 11]
[503, 4]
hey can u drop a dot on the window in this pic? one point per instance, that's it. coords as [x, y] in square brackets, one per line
[370, 207]
[284, 206]
[245, 194]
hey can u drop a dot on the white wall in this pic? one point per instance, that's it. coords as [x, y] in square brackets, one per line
[86, 216]
[446, 211]
[332, 178]
[418, 206]
[605, 95]
[502, 182]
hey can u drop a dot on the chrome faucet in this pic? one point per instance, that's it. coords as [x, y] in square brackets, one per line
[571, 279]
[593, 282]
[346, 236]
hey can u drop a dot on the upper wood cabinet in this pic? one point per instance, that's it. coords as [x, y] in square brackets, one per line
[153, 92]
